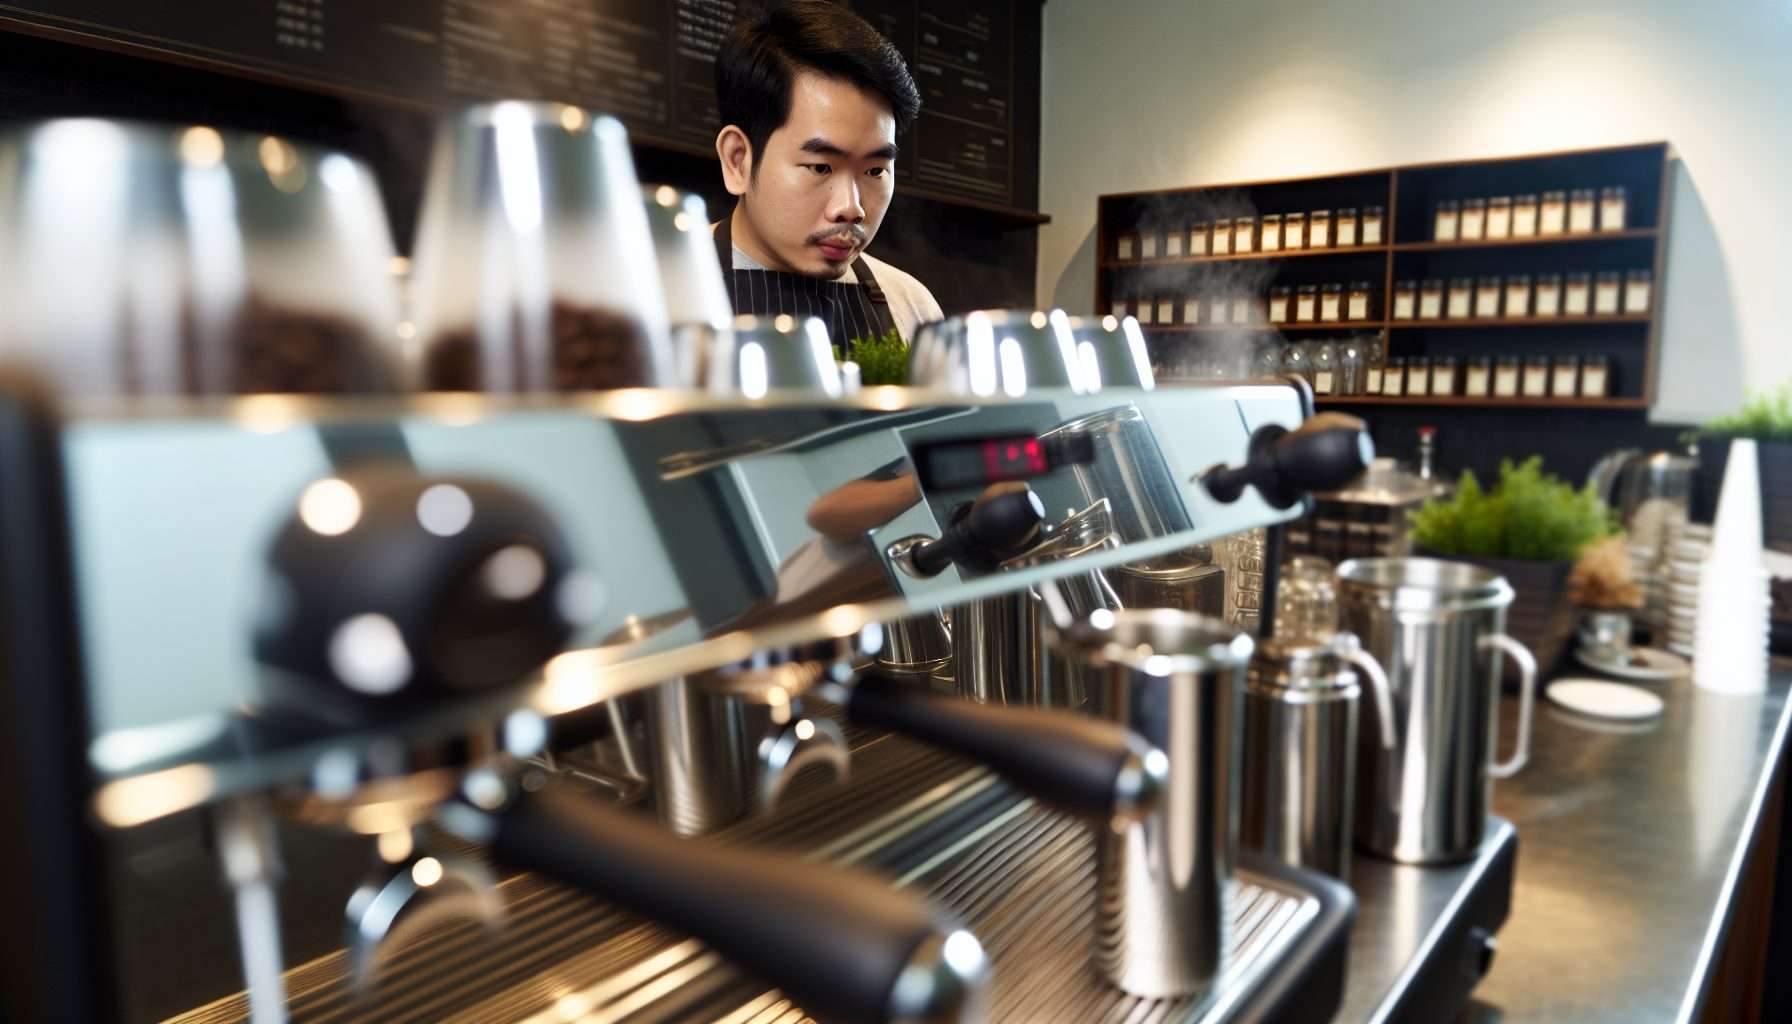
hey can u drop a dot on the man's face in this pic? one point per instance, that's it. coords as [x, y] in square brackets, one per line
[825, 179]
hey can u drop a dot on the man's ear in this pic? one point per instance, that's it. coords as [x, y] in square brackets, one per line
[736, 154]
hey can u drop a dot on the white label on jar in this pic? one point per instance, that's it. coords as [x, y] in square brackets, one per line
[1148, 247]
[1328, 306]
[1505, 381]
[1222, 242]
[1550, 219]
[1322, 382]
[1418, 382]
[1322, 230]
[1431, 305]
[1166, 311]
[1218, 311]
[1359, 307]
[1443, 380]
[1241, 310]
[1145, 311]
[1536, 381]
[1372, 231]
[1347, 232]
[1499, 222]
[1303, 308]
[1373, 387]
[1459, 302]
[1173, 244]
[1272, 236]
[1241, 237]
[1393, 382]
[1592, 382]
[1403, 305]
[1197, 242]
[1191, 311]
[1605, 298]
[1119, 310]
[1477, 382]
[1487, 300]
[1574, 300]
[1611, 213]
[1474, 224]
[1564, 385]
[1126, 247]
[1518, 300]
[1580, 215]
[1445, 229]
[1636, 297]
[1549, 299]
[1524, 221]
[1278, 309]
[1295, 237]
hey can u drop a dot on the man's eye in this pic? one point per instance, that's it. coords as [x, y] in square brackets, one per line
[878, 172]
[820, 168]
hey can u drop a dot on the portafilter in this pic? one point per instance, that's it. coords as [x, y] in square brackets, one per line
[535, 267]
[152, 260]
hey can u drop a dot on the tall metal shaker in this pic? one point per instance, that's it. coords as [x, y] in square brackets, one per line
[1164, 885]
[1438, 629]
[1300, 748]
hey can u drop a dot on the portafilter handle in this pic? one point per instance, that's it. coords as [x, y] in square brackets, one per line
[841, 944]
[1084, 766]
[1327, 452]
[1004, 521]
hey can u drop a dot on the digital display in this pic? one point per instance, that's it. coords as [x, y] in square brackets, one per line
[978, 462]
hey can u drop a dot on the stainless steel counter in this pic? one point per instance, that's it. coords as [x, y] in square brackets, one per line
[1630, 847]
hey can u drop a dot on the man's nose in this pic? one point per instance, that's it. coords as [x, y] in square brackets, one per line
[846, 206]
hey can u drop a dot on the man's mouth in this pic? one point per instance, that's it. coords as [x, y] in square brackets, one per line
[836, 250]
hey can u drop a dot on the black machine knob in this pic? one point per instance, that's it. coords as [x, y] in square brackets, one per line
[386, 587]
[1004, 521]
[1327, 452]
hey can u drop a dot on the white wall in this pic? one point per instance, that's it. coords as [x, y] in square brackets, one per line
[1144, 94]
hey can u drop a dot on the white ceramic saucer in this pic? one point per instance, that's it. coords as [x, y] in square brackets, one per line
[1646, 664]
[1604, 699]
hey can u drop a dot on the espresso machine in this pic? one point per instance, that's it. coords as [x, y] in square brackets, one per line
[521, 664]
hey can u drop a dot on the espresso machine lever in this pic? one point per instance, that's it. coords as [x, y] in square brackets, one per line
[1004, 521]
[1327, 452]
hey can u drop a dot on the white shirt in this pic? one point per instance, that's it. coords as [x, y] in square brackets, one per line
[911, 304]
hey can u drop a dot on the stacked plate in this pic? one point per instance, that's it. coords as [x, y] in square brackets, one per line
[1688, 546]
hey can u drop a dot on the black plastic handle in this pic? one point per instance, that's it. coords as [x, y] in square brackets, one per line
[1003, 521]
[1083, 766]
[1322, 455]
[834, 940]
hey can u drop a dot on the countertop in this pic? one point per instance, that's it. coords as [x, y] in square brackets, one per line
[1630, 848]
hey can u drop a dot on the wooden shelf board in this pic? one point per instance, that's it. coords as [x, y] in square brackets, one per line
[1490, 403]
[1525, 321]
[1334, 325]
[1177, 261]
[1496, 243]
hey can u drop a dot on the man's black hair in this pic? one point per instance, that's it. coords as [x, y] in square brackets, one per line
[762, 56]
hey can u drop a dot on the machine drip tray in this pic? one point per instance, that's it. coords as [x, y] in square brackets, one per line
[1020, 876]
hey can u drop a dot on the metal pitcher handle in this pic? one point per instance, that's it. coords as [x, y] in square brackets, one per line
[1350, 649]
[1527, 702]
[809, 739]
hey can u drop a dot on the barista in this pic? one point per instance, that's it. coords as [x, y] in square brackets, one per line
[812, 99]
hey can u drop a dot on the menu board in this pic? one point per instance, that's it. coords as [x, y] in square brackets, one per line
[649, 62]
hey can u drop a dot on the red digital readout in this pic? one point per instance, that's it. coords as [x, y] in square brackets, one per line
[1014, 458]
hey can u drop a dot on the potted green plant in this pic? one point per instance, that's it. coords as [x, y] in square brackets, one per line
[882, 359]
[1767, 419]
[1529, 529]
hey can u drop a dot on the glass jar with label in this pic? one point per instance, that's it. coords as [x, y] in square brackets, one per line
[1595, 377]
[1418, 376]
[1319, 229]
[1241, 308]
[1518, 295]
[1294, 231]
[1612, 208]
[1577, 294]
[1191, 309]
[1393, 377]
[1406, 300]
[1145, 310]
[1499, 217]
[1331, 302]
[1524, 215]
[1306, 303]
[1431, 299]
[1173, 243]
[1166, 309]
[1565, 377]
[1505, 377]
[1148, 244]
[1487, 298]
[1119, 309]
[1268, 362]
[1244, 234]
[1346, 226]
[1552, 213]
[1278, 304]
[1582, 213]
[1637, 286]
[1536, 377]
[1126, 247]
[1294, 361]
[1220, 237]
[1462, 298]
[1374, 218]
[1607, 293]
[1374, 363]
[1197, 238]
[1443, 377]
[1477, 377]
[1272, 232]
[1547, 298]
[1350, 367]
[1444, 224]
[1473, 227]
[1357, 301]
[1325, 368]
[1219, 308]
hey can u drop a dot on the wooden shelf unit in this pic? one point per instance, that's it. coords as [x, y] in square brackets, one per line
[1408, 195]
